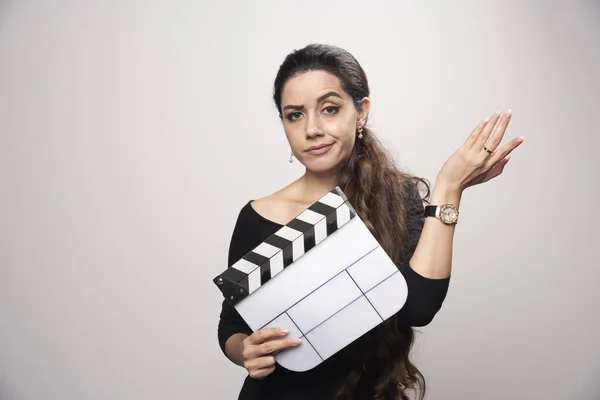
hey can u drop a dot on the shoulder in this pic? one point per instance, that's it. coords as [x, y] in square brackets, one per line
[245, 213]
[247, 232]
[278, 207]
[261, 206]
[267, 210]
[256, 220]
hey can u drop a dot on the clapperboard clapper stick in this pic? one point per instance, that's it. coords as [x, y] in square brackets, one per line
[323, 276]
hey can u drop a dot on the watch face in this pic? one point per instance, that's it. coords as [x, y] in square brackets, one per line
[448, 214]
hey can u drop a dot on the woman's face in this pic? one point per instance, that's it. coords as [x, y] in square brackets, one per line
[320, 120]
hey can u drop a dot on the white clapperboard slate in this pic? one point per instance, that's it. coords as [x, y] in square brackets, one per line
[323, 276]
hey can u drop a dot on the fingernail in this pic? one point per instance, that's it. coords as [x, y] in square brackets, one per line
[284, 331]
[296, 341]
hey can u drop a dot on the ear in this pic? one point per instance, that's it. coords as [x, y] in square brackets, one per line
[363, 110]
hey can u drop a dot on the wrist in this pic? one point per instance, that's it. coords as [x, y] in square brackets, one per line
[444, 203]
[446, 192]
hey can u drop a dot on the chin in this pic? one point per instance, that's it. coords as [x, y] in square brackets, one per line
[321, 165]
[327, 162]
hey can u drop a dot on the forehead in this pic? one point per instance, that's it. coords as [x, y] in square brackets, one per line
[305, 88]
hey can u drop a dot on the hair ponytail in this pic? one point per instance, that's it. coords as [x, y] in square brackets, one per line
[382, 196]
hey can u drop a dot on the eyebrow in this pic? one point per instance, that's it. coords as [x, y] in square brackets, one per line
[320, 99]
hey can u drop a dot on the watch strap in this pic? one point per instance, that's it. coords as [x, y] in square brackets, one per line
[430, 211]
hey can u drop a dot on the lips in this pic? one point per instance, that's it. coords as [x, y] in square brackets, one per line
[319, 149]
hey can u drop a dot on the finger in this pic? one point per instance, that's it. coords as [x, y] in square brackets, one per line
[261, 366]
[260, 362]
[269, 347]
[273, 346]
[262, 335]
[495, 170]
[475, 133]
[499, 132]
[261, 373]
[486, 131]
[503, 151]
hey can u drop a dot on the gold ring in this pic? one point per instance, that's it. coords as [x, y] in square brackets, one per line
[488, 150]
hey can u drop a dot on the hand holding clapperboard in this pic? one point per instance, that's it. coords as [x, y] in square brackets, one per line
[323, 276]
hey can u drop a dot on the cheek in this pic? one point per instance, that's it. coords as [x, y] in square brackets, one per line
[344, 131]
[294, 137]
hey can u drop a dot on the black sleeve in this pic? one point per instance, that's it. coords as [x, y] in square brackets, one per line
[230, 321]
[425, 295]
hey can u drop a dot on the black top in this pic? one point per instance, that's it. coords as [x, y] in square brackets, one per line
[425, 297]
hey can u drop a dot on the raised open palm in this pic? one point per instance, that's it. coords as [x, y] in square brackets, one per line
[481, 158]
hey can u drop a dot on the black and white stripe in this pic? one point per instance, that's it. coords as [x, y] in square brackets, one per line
[285, 246]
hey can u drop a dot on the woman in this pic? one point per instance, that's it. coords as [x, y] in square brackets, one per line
[322, 95]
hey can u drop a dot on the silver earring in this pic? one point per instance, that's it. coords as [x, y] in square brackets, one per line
[360, 129]
[291, 155]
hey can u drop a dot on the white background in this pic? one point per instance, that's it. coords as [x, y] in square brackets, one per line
[132, 132]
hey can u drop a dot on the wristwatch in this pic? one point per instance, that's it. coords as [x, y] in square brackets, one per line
[446, 213]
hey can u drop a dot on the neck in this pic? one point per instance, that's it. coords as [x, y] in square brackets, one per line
[313, 186]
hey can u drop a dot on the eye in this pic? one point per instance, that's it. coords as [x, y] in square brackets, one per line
[331, 109]
[293, 115]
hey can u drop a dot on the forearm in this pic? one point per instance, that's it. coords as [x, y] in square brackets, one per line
[233, 348]
[433, 255]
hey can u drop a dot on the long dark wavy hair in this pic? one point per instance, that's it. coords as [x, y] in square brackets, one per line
[382, 195]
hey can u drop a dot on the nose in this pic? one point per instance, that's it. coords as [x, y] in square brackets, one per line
[312, 128]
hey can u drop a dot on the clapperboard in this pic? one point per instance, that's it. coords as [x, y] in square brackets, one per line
[323, 276]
